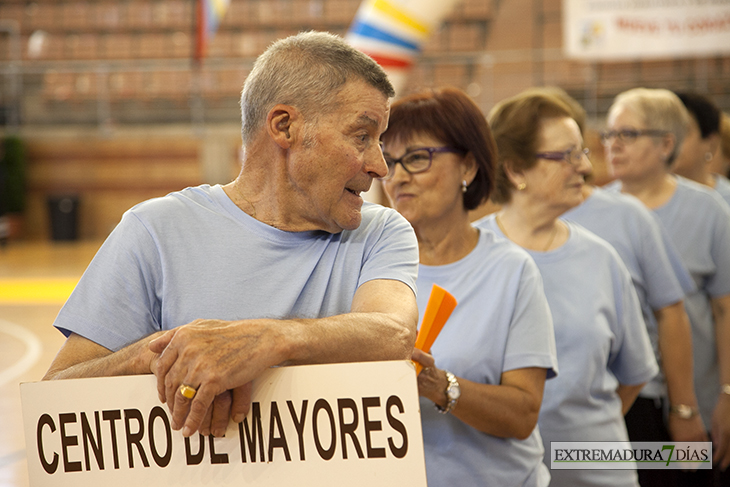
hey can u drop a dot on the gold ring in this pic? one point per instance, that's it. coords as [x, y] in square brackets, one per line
[188, 391]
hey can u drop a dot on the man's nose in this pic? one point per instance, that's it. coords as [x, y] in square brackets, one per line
[375, 164]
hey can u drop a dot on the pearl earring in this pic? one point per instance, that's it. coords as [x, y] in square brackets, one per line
[463, 186]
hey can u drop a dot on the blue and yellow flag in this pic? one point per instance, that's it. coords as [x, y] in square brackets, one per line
[392, 32]
[209, 15]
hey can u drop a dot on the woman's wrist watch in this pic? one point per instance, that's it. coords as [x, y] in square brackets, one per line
[453, 391]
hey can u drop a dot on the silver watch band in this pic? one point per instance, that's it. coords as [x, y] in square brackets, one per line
[453, 391]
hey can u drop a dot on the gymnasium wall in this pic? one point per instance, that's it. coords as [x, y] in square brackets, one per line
[111, 108]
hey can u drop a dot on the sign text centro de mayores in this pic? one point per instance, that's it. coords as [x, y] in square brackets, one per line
[341, 424]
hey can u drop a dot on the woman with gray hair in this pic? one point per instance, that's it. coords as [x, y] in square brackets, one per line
[646, 128]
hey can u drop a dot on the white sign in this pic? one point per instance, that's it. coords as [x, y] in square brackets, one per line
[645, 29]
[317, 425]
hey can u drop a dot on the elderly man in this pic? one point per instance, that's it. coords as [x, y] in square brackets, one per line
[210, 286]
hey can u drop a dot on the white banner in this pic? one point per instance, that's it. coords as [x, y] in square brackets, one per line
[645, 29]
[318, 425]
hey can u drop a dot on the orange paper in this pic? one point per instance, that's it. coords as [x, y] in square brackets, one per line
[439, 308]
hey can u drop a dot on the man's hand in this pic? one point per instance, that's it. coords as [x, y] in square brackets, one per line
[213, 357]
[230, 405]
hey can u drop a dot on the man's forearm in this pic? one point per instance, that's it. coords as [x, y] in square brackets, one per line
[79, 358]
[352, 337]
[381, 326]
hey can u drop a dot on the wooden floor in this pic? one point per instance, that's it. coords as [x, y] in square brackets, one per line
[35, 279]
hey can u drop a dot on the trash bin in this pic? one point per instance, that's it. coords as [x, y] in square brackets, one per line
[63, 211]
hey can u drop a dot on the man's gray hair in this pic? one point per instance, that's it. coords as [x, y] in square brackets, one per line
[305, 71]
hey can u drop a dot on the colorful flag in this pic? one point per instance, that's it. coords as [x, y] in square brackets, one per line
[209, 15]
[392, 32]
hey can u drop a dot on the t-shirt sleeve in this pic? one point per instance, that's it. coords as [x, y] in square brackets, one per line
[632, 358]
[531, 339]
[393, 253]
[675, 260]
[663, 286]
[718, 284]
[115, 302]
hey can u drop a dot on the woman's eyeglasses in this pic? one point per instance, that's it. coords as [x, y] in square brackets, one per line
[629, 136]
[415, 161]
[572, 156]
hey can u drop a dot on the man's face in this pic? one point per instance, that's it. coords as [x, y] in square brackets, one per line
[337, 158]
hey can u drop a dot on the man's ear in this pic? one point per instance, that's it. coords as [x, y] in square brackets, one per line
[282, 124]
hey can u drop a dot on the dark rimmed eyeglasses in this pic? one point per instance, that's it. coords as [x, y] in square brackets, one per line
[629, 136]
[572, 156]
[415, 161]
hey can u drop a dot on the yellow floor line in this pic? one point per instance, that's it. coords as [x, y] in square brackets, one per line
[36, 291]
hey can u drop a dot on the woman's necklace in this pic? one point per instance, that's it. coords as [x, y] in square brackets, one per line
[550, 241]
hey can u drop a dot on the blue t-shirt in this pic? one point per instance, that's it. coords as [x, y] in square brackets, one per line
[195, 254]
[602, 342]
[501, 322]
[625, 223]
[722, 186]
[698, 222]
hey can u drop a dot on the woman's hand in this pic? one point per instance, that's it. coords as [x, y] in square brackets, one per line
[508, 410]
[721, 432]
[683, 430]
[432, 381]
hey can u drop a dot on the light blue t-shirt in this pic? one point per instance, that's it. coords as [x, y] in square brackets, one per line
[194, 254]
[625, 223]
[722, 186]
[698, 222]
[602, 342]
[501, 322]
